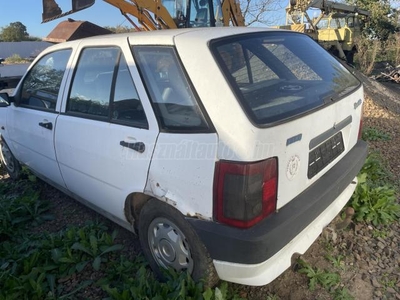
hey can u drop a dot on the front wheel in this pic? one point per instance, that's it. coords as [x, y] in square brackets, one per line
[9, 161]
[169, 241]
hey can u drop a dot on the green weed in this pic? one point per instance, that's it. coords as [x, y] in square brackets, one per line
[317, 276]
[37, 265]
[377, 205]
[374, 134]
[19, 211]
[272, 297]
[342, 294]
[132, 280]
[337, 261]
[388, 281]
[326, 279]
[374, 199]
[377, 171]
[383, 233]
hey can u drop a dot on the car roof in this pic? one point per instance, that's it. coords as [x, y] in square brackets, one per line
[202, 35]
[163, 37]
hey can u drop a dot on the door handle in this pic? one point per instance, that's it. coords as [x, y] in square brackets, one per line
[47, 125]
[138, 146]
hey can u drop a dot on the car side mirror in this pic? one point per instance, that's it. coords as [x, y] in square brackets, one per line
[5, 100]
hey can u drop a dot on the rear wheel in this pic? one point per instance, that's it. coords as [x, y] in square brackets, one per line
[8, 160]
[169, 241]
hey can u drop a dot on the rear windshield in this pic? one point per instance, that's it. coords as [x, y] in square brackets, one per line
[277, 76]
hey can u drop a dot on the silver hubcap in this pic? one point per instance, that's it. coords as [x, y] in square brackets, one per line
[7, 157]
[169, 245]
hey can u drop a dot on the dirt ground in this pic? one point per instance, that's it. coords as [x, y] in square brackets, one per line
[369, 264]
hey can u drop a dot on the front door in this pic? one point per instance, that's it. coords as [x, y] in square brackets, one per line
[32, 119]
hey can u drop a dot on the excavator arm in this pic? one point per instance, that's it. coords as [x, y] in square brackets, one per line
[52, 11]
[325, 6]
[232, 12]
[154, 15]
[141, 10]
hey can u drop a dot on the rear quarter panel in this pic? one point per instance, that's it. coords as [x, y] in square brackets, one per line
[240, 140]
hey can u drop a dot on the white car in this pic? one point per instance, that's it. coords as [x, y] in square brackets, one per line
[227, 149]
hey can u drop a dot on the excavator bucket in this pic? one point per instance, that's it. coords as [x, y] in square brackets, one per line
[52, 11]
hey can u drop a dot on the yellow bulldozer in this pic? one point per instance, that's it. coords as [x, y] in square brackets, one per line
[336, 27]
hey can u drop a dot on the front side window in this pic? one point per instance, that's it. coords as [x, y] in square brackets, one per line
[172, 96]
[41, 86]
[277, 76]
[103, 89]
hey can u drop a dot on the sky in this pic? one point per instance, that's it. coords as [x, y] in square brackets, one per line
[29, 13]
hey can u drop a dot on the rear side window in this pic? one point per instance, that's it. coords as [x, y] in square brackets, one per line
[277, 76]
[172, 96]
[103, 89]
[41, 86]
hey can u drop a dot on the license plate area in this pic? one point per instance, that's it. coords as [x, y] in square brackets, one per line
[324, 154]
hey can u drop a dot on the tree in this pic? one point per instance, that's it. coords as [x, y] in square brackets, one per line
[15, 32]
[260, 11]
[383, 20]
[120, 29]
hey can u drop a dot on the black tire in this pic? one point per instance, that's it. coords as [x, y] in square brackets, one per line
[8, 160]
[155, 221]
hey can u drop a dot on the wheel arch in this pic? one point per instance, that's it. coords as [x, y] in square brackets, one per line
[134, 203]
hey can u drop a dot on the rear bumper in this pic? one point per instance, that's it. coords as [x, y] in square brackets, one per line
[257, 255]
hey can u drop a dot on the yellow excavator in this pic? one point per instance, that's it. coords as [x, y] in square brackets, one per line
[161, 14]
[336, 27]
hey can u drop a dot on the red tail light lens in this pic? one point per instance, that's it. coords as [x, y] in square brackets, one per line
[245, 193]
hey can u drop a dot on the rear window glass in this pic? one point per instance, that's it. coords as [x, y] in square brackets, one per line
[277, 76]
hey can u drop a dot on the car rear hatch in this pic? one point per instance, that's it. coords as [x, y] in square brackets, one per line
[303, 105]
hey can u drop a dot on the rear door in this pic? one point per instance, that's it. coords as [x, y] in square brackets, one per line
[106, 135]
[32, 120]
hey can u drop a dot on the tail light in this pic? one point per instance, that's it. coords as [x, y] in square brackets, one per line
[245, 193]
